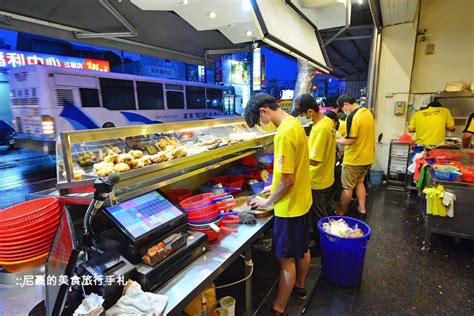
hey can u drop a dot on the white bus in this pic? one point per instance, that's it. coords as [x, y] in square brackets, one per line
[48, 100]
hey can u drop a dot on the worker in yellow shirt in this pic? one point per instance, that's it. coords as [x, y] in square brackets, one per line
[468, 131]
[342, 128]
[290, 195]
[322, 160]
[359, 152]
[431, 124]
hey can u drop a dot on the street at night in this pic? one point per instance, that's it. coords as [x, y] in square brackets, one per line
[23, 172]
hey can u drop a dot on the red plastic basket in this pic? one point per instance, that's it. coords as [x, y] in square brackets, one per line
[448, 154]
[178, 195]
[28, 210]
[467, 174]
[230, 181]
[199, 200]
[43, 234]
[249, 161]
[26, 245]
[208, 212]
[23, 256]
[24, 253]
[40, 232]
[19, 225]
[52, 220]
[23, 265]
[211, 234]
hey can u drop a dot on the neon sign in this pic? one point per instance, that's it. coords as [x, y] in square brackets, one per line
[13, 59]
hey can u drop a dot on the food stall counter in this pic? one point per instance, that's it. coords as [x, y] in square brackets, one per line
[191, 281]
[461, 225]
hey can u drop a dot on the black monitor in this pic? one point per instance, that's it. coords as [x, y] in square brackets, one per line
[61, 262]
[145, 215]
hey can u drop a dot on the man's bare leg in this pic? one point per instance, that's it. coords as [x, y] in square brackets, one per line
[346, 196]
[361, 194]
[302, 267]
[286, 284]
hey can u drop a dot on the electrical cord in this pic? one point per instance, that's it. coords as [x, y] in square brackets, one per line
[249, 263]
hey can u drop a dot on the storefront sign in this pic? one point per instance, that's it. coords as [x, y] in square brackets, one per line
[191, 72]
[264, 85]
[256, 69]
[202, 73]
[217, 70]
[162, 68]
[13, 59]
[239, 73]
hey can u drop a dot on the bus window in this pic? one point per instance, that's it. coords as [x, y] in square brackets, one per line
[89, 98]
[117, 94]
[175, 100]
[150, 96]
[177, 87]
[195, 98]
[214, 99]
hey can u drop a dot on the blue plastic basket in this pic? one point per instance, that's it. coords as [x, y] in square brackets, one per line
[446, 176]
[343, 258]
[270, 178]
[266, 159]
[258, 187]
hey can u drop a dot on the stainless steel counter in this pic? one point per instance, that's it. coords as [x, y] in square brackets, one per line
[462, 224]
[186, 285]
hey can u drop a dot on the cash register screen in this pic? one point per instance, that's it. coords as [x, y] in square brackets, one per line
[142, 215]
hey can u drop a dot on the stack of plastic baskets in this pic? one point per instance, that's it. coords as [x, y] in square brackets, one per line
[26, 233]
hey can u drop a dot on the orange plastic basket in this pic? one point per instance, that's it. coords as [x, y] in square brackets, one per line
[28, 210]
[23, 265]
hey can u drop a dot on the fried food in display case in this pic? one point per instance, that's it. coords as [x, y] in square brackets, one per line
[101, 153]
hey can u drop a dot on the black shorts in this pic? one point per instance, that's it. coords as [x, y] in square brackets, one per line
[291, 236]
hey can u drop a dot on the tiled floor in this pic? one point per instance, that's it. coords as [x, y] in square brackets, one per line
[400, 278]
[16, 301]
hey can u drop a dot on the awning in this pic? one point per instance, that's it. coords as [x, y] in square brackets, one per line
[172, 29]
[286, 28]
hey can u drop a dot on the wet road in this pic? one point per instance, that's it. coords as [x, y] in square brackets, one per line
[22, 172]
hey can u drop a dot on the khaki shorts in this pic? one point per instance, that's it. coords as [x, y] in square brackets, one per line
[352, 175]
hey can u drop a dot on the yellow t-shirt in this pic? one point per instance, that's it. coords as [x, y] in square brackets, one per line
[342, 128]
[322, 148]
[430, 125]
[291, 157]
[362, 128]
[469, 127]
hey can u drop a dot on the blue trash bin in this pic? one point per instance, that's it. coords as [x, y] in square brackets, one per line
[343, 258]
[376, 176]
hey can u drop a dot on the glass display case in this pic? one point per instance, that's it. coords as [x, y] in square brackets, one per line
[145, 154]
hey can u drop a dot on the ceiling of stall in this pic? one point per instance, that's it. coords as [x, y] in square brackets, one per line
[398, 11]
[159, 33]
[170, 29]
[350, 51]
